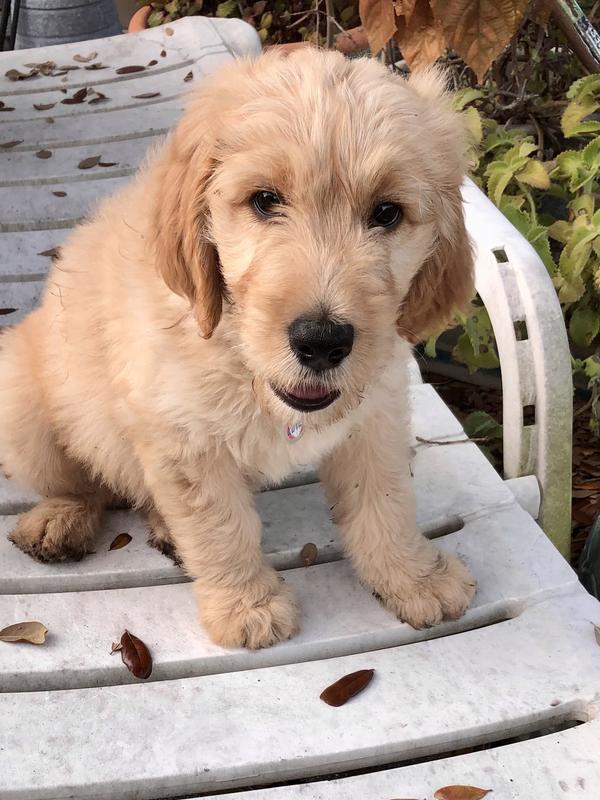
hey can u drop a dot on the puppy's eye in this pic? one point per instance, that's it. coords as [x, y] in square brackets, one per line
[385, 215]
[266, 203]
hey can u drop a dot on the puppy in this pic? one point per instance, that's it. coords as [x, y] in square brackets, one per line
[241, 308]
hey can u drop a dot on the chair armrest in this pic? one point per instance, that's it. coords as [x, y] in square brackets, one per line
[535, 359]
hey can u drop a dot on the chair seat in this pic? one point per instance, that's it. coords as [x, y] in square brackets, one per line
[515, 681]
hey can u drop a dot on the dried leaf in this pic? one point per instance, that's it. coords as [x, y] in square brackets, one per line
[169, 31]
[78, 97]
[146, 95]
[420, 37]
[33, 632]
[136, 656]
[597, 634]
[130, 70]
[97, 65]
[461, 793]
[4, 311]
[108, 163]
[341, 691]
[479, 29]
[44, 154]
[54, 252]
[189, 77]
[15, 75]
[90, 162]
[308, 554]
[13, 143]
[59, 194]
[100, 98]
[7, 108]
[379, 21]
[121, 540]
[115, 647]
[43, 106]
[163, 53]
[591, 485]
[152, 63]
[85, 59]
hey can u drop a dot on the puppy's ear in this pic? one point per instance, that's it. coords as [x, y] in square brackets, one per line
[185, 257]
[445, 282]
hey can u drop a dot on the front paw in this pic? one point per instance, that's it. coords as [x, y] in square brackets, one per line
[446, 593]
[264, 613]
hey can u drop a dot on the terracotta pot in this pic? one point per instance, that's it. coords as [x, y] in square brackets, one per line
[139, 20]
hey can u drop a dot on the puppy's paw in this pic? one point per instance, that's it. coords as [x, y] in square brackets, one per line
[160, 538]
[261, 616]
[444, 594]
[57, 529]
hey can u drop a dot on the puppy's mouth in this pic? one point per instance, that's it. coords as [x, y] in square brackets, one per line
[307, 398]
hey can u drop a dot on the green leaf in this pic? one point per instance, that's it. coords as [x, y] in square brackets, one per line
[347, 13]
[536, 235]
[561, 231]
[534, 174]
[462, 98]
[476, 346]
[266, 20]
[226, 8]
[572, 121]
[481, 425]
[584, 88]
[472, 120]
[430, 350]
[584, 325]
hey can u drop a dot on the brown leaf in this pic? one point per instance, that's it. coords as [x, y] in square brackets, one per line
[597, 634]
[405, 8]
[90, 162]
[461, 793]
[4, 311]
[97, 65]
[539, 12]
[420, 37]
[129, 70]
[163, 53]
[121, 540]
[146, 95]
[44, 154]
[108, 163]
[169, 31]
[43, 106]
[115, 647]
[13, 143]
[32, 632]
[15, 75]
[54, 252]
[591, 485]
[152, 63]
[100, 98]
[309, 554]
[59, 194]
[7, 108]
[189, 77]
[85, 59]
[136, 656]
[341, 691]
[78, 97]
[479, 30]
[379, 21]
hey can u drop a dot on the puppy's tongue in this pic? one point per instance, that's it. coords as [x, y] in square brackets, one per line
[308, 393]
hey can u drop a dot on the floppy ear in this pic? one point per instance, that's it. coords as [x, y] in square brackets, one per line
[445, 282]
[185, 257]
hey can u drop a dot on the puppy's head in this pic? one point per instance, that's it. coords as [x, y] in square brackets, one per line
[313, 203]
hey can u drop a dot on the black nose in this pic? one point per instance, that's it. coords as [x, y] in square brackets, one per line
[320, 343]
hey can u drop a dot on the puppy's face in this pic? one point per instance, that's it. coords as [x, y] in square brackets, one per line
[319, 212]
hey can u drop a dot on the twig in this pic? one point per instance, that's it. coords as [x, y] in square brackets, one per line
[477, 440]
[330, 12]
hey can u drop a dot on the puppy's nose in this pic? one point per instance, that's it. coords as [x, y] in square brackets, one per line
[320, 343]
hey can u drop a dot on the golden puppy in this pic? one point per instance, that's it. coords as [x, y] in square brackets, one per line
[249, 286]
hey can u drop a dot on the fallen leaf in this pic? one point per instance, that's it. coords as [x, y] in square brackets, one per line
[122, 540]
[54, 252]
[136, 656]
[115, 647]
[597, 634]
[108, 163]
[90, 162]
[15, 75]
[85, 59]
[341, 691]
[7, 108]
[189, 77]
[78, 97]
[146, 95]
[33, 632]
[100, 98]
[43, 106]
[97, 65]
[461, 793]
[129, 70]
[13, 143]
[163, 53]
[44, 154]
[592, 485]
[4, 311]
[308, 554]
[152, 63]
[169, 31]
[59, 194]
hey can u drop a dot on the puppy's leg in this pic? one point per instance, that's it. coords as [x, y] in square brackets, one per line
[209, 511]
[160, 537]
[368, 481]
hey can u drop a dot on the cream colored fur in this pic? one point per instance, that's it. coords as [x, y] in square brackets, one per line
[147, 372]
